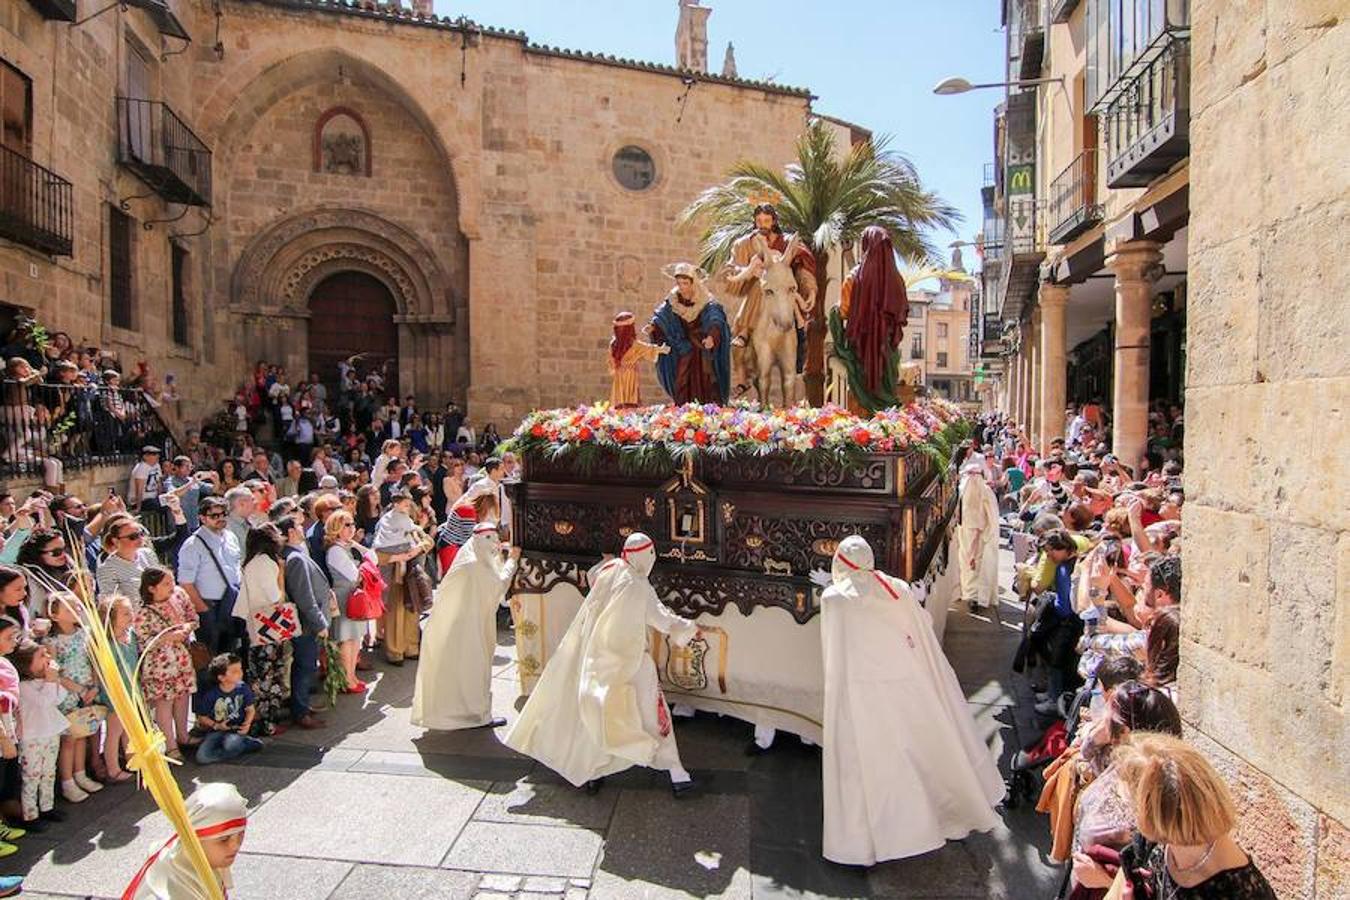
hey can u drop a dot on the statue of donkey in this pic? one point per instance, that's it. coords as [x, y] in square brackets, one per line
[770, 357]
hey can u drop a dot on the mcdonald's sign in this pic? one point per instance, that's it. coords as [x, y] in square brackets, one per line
[1022, 179]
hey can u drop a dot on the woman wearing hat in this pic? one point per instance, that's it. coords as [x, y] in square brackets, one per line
[626, 352]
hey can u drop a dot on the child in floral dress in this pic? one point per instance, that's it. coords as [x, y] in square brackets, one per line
[120, 616]
[164, 625]
[66, 643]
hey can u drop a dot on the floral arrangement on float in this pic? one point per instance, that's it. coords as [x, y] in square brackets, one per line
[658, 437]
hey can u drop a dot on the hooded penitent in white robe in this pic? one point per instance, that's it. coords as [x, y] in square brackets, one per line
[977, 536]
[454, 675]
[598, 708]
[216, 810]
[904, 770]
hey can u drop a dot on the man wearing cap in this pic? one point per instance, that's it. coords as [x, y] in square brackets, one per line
[693, 324]
[454, 678]
[147, 481]
[626, 352]
[977, 536]
[598, 708]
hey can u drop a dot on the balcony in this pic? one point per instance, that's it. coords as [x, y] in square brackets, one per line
[1026, 34]
[1147, 125]
[36, 205]
[1073, 199]
[57, 10]
[1061, 10]
[1024, 244]
[163, 152]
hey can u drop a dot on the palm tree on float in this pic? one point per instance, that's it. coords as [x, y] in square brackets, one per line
[827, 201]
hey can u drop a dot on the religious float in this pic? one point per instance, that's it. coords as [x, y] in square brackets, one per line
[744, 505]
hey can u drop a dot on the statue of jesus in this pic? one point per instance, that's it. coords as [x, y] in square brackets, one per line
[694, 326]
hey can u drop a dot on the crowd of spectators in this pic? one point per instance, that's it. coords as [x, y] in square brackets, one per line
[62, 400]
[1097, 543]
[242, 603]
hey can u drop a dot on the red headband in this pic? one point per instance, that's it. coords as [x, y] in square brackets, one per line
[637, 549]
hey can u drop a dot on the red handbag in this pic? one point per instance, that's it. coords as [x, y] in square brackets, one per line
[366, 601]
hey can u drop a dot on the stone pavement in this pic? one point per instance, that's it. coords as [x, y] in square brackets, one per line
[373, 807]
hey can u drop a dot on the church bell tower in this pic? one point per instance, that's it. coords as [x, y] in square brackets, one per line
[691, 36]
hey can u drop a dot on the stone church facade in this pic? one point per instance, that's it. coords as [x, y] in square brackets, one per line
[307, 179]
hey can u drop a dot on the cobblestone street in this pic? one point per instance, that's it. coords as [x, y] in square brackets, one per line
[372, 807]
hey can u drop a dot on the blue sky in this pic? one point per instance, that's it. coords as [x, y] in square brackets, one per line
[873, 63]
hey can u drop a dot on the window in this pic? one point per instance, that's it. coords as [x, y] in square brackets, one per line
[120, 239]
[16, 110]
[634, 168]
[179, 311]
[942, 360]
[942, 329]
[916, 347]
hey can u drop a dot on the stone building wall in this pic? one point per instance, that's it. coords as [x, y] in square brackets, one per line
[491, 211]
[1265, 677]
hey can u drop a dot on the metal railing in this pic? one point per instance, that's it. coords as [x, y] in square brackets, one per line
[164, 151]
[1150, 117]
[1073, 199]
[78, 424]
[1025, 225]
[37, 206]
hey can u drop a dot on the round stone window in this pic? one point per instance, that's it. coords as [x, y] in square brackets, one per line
[634, 168]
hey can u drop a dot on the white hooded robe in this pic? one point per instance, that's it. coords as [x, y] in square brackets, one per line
[454, 676]
[598, 707]
[978, 516]
[904, 770]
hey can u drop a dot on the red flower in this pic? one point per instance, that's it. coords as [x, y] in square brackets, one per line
[862, 436]
[537, 430]
[584, 433]
[679, 435]
[701, 437]
[762, 434]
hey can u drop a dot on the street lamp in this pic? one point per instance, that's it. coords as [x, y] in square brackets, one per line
[958, 85]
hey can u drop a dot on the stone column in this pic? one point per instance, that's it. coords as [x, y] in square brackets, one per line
[1013, 383]
[1034, 383]
[1024, 378]
[1054, 366]
[1136, 264]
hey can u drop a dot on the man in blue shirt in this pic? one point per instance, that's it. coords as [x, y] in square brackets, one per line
[190, 488]
[209, 570]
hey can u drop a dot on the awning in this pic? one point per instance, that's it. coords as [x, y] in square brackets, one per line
[163, 17]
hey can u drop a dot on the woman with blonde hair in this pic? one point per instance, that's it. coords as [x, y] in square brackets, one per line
[1184, 849]
[344, 556]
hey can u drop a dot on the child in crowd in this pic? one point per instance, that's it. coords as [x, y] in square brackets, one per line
[225, 711]
[41, 724]
[164, 625]
[10, 780]
[120, 616]
[67, 644]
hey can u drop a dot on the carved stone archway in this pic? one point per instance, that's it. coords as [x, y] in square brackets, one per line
[277, 273]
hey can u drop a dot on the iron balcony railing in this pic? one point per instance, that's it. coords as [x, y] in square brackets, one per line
[80, 425]
[163, 151]
[1147, 125]
[1073, 199]
[36, 205]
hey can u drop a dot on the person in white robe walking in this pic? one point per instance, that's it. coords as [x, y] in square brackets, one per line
[219, 815]
[598, 707]
[454, 677]
[977, 537]
[904, 770]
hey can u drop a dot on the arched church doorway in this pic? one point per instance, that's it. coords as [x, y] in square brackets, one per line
[352, 315]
